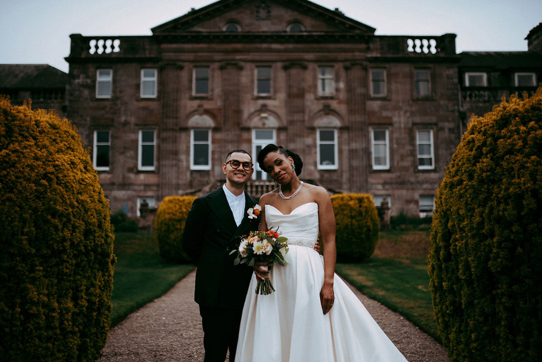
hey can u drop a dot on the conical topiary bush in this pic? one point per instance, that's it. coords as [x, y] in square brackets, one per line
[56, 262]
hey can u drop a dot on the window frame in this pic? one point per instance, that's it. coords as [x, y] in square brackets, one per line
[194, 81]
[483, 74]
[234, 24]
[192, 153]
[532, 74]
[426, 213]
[138, 203]
[320, 78]
[385, 86]
[388, 198]
[373, 153]
[289, 27]
[431, 143]
[429, 85]
[335, 144]
[98, 81]
[147, 79]
[140, 167]
[262, 143]
[96, 144]
[256, 79]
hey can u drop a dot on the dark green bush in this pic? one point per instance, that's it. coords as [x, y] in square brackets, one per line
[169, 227]
[405, 222]
[357, 226]
[486, 256]
[122, 223]
[57, 258]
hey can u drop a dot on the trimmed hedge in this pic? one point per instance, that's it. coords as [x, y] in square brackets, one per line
[122, 223]
[357, 226]
[169, 227]
[486, 256]
[56, 268]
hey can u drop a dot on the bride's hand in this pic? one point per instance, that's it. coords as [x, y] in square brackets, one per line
[327, 297]
[262, 273]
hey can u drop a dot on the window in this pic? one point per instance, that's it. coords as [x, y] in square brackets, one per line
[263, 80]
[201, 149]
[147, 150]
[379, 198]
[326, 81]
[425, 149]
[327, 149]
[104, 83]
[378, 82]
[201, 80]
[422, 82]
[260, 139]
[148, 199]
[427, 204]
[148, 83]
[381, 149]
[295, 28]
[102, 145]
[475, 79]
[525, 80]
[232, 28]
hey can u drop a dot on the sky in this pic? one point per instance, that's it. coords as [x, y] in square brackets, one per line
[37, 31]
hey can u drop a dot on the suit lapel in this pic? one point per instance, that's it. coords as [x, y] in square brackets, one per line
[219, 204]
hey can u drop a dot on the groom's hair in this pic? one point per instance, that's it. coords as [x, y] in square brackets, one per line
[238, 151]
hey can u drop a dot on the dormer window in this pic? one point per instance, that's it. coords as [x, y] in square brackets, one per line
[232, 28]
[295, 28]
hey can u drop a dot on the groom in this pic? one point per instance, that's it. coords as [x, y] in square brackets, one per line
[212, 227]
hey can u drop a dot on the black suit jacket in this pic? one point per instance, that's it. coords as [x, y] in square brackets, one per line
[210, 234]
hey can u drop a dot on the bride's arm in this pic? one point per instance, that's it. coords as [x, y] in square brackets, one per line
[326, 218]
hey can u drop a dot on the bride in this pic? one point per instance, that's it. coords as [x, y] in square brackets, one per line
[313, 315]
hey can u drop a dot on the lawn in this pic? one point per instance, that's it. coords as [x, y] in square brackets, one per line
[396, 276]
[141, 274]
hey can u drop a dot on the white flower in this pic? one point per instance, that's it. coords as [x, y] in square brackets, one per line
[243, 248]
[283, 251]
[254, 212]
[259, 248]
[267, 247]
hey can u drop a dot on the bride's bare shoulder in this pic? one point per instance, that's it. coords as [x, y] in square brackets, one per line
[316, 190]
[268, 197]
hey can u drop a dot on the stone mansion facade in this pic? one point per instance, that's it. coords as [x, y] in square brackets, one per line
[367, 113]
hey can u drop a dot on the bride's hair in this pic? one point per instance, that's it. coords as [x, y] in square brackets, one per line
[274, 148]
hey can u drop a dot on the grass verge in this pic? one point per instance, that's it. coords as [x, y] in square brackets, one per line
[396, 276]
[141, 274]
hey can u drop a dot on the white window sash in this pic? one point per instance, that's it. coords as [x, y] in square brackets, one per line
[426, 80]
[194, 89]
[192, 148]
[384, 87]
[484, 77]
[260, 142]
[140, 153]
[103, 80]
[95, 151]
[326, 81]
[431, 156]
[386, 143]
[146, 80]
[533, 77]
[319, 142]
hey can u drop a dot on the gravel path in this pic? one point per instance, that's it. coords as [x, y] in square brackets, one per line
[169, 329]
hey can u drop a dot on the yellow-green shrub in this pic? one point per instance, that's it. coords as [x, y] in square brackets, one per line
[56, 263]
[486, 257]
[169, 227]
[357, 226]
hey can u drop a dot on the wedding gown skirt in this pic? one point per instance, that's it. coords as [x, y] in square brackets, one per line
[288, 324]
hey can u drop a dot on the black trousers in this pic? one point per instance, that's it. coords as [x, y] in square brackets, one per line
[221, 330]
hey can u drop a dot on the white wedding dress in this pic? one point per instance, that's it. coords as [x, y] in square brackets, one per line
[288, 324]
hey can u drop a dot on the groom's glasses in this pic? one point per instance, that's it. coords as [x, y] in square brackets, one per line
[247, 166]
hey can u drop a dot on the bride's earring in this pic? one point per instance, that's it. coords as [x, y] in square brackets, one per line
[293, 166]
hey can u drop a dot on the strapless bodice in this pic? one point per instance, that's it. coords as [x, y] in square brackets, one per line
[300, 226]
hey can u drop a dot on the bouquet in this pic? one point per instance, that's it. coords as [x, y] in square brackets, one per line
[262, 246]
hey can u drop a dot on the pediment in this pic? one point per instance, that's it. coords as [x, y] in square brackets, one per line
[263, 16]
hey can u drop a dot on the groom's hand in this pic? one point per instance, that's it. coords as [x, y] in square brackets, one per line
[262, 273]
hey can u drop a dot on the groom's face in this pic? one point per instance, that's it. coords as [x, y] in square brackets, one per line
[240, 175]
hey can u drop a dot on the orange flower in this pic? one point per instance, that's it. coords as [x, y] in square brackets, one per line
[257, 212]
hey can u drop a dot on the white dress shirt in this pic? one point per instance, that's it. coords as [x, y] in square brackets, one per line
[237, 204]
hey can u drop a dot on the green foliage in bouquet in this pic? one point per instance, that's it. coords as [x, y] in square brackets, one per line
[357, 226]
[485, 262]
[56, 268]
[169, 227]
